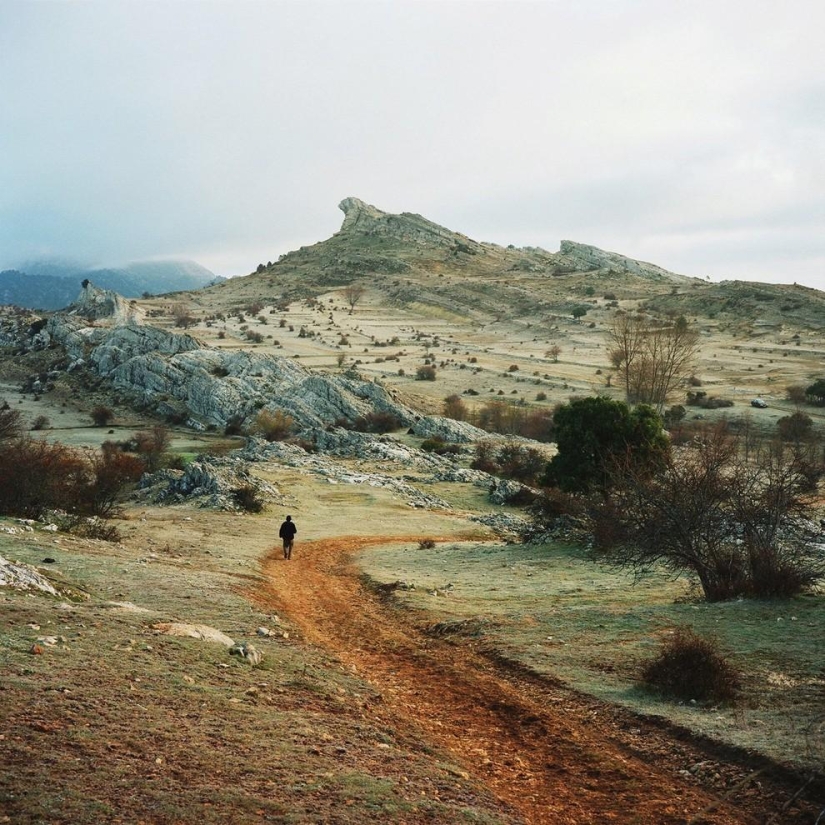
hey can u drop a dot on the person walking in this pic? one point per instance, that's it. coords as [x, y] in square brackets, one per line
[287, 533]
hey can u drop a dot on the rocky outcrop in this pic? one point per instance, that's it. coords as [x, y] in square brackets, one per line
[210, 481]
[582, 257]
[447, 429]
[362, 218]
[95, 304]
[24, 577]
[174, 374]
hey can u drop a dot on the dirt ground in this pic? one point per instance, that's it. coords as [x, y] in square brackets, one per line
[552, 755]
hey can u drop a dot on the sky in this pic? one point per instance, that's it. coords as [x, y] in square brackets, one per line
[689, 134]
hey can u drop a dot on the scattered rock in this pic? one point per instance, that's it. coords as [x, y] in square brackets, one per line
[248, 652]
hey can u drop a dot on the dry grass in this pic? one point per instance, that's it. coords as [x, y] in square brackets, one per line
[116, 722]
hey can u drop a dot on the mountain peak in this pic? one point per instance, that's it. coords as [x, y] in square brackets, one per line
[364, 219]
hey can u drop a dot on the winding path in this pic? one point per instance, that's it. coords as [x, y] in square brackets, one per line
[551, 755]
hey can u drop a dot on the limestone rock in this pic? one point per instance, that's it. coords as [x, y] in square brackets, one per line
[365, 219]
[24, 577]
[248, 652]
[194, 631]
[579, 256]
[458, 432]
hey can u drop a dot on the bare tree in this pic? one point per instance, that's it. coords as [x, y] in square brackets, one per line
[152, 444]
[741, 526]
[652, 359]
[554, 352]
[353, 293]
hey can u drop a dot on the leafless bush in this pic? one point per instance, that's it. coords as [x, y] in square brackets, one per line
[740, 523]
[249, 499]
[151, 445]
[690, 667]
[102, 415]
[273, 426]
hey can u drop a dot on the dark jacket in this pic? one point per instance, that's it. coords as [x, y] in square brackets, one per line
[288, 530]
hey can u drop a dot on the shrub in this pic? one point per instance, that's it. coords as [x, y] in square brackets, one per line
[795, 393]
[11, 423]
[455, 408]
[541, 396]
[248, 498]
[508, 461]
[36, 476]
[425, 373]
[377, 422]
[273, 426]
[151, 445]
[102, 415]
[234, 426]
[706, 402]
[674, 415]
[691, 667]
[112, 471]
[41, 423]
[439, 446]
[89, 528]
[553, 504]
[426, 544]
[795, 427]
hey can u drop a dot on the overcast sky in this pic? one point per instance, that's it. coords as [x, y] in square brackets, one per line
[689, 134]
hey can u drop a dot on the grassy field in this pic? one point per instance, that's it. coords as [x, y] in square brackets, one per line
[556, 611]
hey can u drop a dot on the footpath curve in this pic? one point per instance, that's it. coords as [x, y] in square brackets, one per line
[548, 753]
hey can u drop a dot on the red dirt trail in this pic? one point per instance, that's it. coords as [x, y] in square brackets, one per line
[550, 754]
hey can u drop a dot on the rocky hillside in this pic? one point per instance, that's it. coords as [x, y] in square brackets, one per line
[176, 376]
[413, 261]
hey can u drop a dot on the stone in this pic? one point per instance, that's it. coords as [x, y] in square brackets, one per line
[193, 631]
[248, 652]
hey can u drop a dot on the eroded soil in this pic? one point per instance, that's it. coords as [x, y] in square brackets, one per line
[548, 753]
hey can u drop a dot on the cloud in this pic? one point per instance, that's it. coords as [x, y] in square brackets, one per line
[221, 129]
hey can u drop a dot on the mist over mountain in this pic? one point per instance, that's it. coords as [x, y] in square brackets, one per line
[53, 283]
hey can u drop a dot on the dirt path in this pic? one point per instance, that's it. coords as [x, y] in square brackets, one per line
[552, 756]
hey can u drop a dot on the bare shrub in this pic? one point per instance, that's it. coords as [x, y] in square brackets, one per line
[690, 667]
[11, 423]
[41, 422]
[425, 373]
[455, 408]
[102, 415]
[376, 422]
[514, 461]
[36, 476]
[151, 445]
[795, 393]
[740, 522]
[439, 446]
[273, 426]
[426, 544]
[113, 470]
[248, 498]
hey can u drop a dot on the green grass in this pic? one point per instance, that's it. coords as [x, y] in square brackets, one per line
[550, 607]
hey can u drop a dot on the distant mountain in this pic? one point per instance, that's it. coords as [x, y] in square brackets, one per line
[54, 283]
